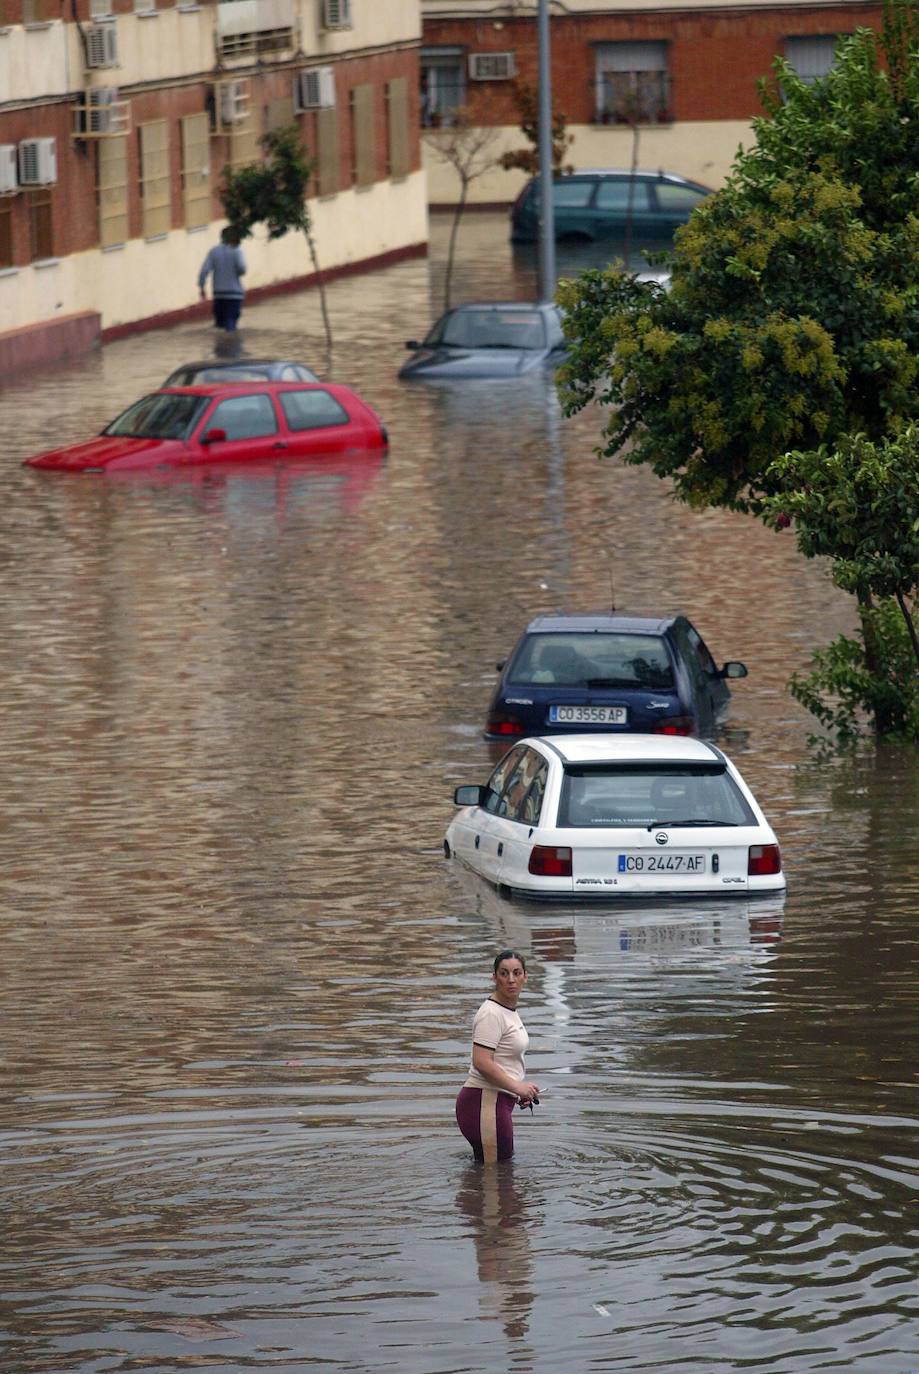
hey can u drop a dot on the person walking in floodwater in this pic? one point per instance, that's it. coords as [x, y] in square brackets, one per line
[496, 1082]
[227, 266]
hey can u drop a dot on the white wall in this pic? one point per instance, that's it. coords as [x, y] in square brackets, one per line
[701, 150]
[143, 278]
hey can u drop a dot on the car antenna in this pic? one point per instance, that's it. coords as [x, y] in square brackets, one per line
[612, 594]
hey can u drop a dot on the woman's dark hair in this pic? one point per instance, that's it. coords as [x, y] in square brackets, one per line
[508, 954]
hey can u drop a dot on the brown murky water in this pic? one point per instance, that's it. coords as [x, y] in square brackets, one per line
[238, 978]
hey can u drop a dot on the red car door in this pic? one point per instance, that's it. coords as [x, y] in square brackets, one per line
[318, 421]
[239, 428]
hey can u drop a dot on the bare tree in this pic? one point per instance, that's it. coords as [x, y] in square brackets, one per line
[469, 149]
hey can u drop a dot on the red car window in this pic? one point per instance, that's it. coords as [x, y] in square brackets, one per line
[315, 409]
[244, 417]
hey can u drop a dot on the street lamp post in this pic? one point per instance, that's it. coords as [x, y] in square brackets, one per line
[547, 207]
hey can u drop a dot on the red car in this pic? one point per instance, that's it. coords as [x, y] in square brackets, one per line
[226, 422]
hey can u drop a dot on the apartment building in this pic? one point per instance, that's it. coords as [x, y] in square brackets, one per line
[117, 118]
[680, 76]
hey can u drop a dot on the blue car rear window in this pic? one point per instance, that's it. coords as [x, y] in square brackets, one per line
[603, 660]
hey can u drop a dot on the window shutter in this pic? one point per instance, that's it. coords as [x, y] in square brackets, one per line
[113, 191]
[154, 178]
[196, 170]
[397, 108]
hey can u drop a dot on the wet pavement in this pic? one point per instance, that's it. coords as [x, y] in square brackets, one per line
[239, 977]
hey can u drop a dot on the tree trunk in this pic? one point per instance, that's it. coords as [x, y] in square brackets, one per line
[910, 625]
[457, 216]
[874, 662]
[320, 282]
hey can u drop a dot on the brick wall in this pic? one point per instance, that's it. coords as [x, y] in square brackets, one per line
[716, 58]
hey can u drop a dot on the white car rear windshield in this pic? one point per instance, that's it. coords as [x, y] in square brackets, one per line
[620, 795]
[593, 660]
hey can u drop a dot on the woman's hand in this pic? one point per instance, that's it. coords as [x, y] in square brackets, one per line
[527, 1094]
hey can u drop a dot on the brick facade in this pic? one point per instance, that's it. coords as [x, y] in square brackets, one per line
[716, 57]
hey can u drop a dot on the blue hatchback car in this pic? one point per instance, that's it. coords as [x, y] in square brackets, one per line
[610, 672]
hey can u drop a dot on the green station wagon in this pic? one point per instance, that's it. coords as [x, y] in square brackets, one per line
[594, 204]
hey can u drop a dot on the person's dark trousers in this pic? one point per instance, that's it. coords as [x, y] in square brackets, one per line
[226, 311]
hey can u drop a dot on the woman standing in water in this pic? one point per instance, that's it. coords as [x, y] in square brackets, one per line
[495, 1083]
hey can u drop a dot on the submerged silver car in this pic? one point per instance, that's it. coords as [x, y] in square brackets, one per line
[497, 339]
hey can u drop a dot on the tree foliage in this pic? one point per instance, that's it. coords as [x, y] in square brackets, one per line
[527, 159]
[274, 192]
[780, 374]
[468, 148]
[793, 316]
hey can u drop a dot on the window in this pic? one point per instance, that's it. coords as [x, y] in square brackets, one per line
[363, 149]
[280, 113]
[327, 152]
[500, 776]
[311, 410]
[41, 225]
[633, 83]
[648, 795]
[397, 146]
[811, 57]
[112, 191]
[6, 234]
[37, 11]
[158, 416]
[524, 784]
[443, 85]
[154, 178]
[196, 171]
[617, 195]
[244, 143]
[572, 660]
[245, 417]
[677, 199]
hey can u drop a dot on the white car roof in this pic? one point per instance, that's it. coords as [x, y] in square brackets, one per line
[632, 749]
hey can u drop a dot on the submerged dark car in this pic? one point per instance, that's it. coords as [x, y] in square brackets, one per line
[596, 205]
[610, 672]
[240, 370]
[488, 339]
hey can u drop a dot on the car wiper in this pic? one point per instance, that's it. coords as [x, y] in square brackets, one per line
[690, 820]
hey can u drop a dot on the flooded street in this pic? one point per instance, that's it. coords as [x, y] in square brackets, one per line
[239, 977]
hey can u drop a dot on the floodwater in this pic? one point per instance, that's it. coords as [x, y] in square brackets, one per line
[238, 976]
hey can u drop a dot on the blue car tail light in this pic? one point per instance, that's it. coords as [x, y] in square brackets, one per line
[674, 725]
[504, 725]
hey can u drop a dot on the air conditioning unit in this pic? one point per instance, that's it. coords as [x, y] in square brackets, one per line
[314, 89]
[231, 105]
[492, 66]
[102, 115]
[9, 169]
[101, 45]
[100, 9]
[37, 162]
[336, 14]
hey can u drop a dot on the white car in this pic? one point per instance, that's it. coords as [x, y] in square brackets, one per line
[623, 815]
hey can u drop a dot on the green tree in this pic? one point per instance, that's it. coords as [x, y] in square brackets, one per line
[858, 505]
[527, 159]
[793, 316]
[273, 192]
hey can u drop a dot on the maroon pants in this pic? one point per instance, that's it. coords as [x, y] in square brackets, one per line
[485, 1117]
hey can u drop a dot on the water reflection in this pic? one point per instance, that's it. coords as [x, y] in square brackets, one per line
[238, 974]
[500, 1209]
